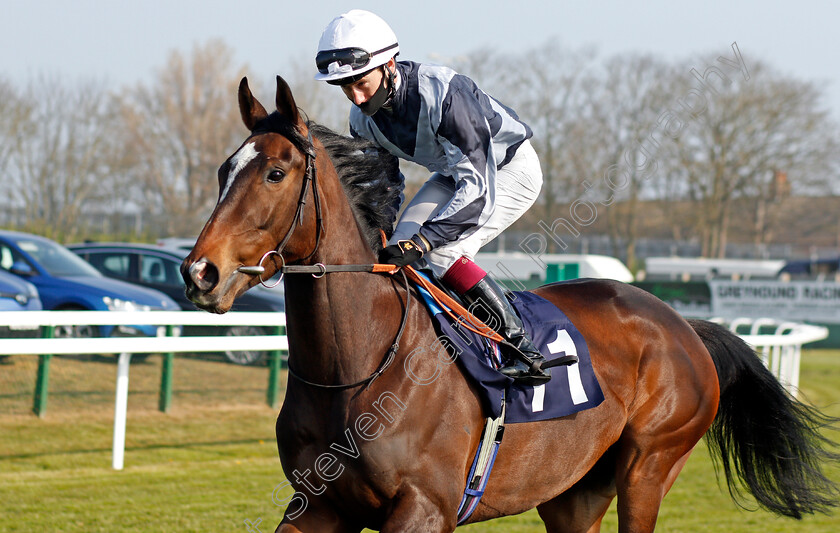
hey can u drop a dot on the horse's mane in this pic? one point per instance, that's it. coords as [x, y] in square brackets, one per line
[371, 179]
[370, 175]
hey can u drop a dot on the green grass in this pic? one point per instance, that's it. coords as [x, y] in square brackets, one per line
[85, 384]
[210, 465]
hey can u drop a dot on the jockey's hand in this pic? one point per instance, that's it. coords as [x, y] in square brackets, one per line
[404, 252]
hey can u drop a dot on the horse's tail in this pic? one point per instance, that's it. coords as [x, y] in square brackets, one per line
[771, 441]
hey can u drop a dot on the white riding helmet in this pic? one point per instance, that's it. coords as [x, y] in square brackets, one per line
[352, 45]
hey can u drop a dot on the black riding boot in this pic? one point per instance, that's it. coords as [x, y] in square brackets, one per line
[525, 363]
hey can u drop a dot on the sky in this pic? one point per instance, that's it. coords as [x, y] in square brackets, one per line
[121, 42]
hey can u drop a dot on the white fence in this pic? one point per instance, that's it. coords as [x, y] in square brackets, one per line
[36, 319]
[781, 350]
[125, 346]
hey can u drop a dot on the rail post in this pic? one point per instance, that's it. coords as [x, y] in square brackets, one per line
[274, 362]
[165, 397]
[120, 411]
[42, 381]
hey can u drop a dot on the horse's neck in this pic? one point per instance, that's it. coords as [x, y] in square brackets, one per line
[340, 325]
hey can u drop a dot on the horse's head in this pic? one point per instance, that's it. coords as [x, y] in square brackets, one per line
[260, 188]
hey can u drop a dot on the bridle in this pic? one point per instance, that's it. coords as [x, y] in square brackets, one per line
[319, 270]
[309, 177]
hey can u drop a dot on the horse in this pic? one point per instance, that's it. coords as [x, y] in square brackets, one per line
[365, 446]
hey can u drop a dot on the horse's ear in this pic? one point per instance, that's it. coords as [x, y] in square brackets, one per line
[251, 110]
[285, 101]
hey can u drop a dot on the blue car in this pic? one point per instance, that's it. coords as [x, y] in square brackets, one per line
[17, 294]
[66, 282]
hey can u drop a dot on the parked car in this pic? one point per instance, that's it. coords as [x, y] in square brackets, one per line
[65, 282]
[178, 243]
[17, 295]
[158, 267]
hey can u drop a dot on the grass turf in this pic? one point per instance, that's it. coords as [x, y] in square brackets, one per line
[210, 465]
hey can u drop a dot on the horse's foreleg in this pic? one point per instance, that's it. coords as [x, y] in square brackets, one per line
[578, 511]
[285, 527]
[416, 512]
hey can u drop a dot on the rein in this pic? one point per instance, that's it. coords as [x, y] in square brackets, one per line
[319, 270]
[450, 305]
[390, 355]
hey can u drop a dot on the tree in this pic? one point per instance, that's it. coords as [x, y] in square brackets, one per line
[323, 103]
[756, 135]
[61, 154]
[179, 129]
[15, 112]
[551, 98]
[625, 107]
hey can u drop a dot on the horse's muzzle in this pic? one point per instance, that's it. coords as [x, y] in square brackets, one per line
[200, 278]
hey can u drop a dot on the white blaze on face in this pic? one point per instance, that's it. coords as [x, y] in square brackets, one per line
[239, 160]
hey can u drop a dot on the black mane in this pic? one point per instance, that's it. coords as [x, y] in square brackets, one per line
[371, 179]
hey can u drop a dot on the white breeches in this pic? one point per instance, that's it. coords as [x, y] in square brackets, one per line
[518, 184]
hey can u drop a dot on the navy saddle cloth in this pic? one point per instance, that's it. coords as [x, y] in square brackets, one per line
[572, 388]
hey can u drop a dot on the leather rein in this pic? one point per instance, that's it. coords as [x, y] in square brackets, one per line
[318, 270]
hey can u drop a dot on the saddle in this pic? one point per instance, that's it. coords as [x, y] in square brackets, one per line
[475, 347]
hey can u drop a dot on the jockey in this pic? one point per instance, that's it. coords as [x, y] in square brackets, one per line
[485, 174]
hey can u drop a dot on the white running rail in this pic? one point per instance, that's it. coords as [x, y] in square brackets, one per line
[781, 348]
[125, 346]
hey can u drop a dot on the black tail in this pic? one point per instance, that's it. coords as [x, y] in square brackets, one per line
[768, 438]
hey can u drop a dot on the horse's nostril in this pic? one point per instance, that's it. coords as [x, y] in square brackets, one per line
[204, 274]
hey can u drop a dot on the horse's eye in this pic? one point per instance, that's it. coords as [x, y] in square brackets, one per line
[276, 175]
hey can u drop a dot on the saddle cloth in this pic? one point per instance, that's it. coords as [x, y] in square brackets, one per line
[572, 388]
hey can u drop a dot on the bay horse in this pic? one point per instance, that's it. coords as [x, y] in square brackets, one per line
[365, 446]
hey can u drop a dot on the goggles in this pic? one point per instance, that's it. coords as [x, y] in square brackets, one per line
[355, 58]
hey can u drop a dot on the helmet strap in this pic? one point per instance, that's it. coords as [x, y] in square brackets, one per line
[392, 82]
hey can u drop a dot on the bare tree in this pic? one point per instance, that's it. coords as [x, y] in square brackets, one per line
[625, 106]
[15, 111]
[323, 103]
[179, 129]
[14, 114]
[758, 135]
[551, 99]
[61, 154]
